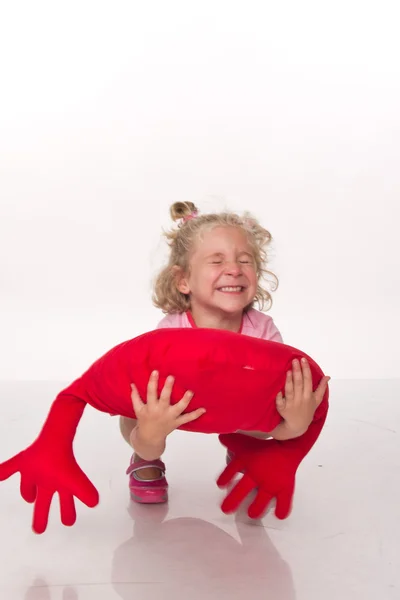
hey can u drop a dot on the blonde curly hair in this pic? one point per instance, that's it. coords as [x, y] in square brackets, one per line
[181, 241]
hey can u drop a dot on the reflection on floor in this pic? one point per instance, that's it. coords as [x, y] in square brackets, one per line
[341, 541]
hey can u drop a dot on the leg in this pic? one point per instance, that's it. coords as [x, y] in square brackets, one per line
[126, 427]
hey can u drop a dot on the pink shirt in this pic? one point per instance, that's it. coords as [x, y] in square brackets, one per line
[254, 323]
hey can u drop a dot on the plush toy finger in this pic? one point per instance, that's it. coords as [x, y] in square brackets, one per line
[10, 466]
[67, 509]
[28, 489]
[27, 485]
[237, 494]
[284, 502]
[83, 488]
[41, 510]
[259, 506]
[228, 474]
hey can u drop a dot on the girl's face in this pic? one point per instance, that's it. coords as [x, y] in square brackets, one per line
[222, 271]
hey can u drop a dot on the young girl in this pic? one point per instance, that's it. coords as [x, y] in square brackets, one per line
[213, 279]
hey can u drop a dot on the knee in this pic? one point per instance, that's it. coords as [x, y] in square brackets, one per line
[126, 427]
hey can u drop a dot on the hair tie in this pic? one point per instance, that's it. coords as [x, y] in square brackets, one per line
[249, 222]
[192, 215]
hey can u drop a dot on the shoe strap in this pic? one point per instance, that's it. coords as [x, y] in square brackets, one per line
[145, 464]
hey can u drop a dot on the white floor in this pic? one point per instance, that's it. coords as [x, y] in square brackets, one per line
[342, 540]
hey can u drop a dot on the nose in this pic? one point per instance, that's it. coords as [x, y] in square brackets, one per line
[233, 268]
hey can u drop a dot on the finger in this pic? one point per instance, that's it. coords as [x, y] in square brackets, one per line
[41, 510]
[228, 473]
[28, 489]
[307, 377]
[152, 388]
[84, 490]
[289, 389]
[280, 403]
[259, 506]
[9, 467]
[182, 405]
[284, 502]
[67, 509]
[321, 389]
[236, 496]
[136, 400]
[297, 379]
[165, 396]
[189, 417]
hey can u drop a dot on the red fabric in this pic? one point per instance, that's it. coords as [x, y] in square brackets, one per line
[49, 466]
[235, 377]
[269, 467]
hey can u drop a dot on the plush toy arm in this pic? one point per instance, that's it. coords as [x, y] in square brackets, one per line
[269, 466]
[48, 465]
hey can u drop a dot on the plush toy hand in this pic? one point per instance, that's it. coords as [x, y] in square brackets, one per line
[43, 473]
[49, 465]
[269, 466]
[266, 468]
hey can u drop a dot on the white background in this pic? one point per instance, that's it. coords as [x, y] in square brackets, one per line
[111, 111]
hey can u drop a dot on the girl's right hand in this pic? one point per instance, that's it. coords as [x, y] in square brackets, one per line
[158, 418]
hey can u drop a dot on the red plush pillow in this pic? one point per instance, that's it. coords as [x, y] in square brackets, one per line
[235, 377]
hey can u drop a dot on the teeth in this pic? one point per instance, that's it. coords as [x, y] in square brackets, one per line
[231, 289]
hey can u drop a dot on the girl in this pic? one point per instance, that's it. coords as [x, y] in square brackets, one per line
[213, 279]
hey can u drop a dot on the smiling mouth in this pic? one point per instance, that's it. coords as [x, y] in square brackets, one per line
[230, 289]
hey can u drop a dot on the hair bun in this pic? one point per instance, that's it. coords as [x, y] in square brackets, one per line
[180, 210]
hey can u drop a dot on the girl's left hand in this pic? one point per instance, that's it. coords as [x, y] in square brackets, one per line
[298, 406]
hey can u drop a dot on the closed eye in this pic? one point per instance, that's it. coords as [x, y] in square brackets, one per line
[217, 262]
[243, 262]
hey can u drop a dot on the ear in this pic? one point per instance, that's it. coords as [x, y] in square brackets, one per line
[180, 280]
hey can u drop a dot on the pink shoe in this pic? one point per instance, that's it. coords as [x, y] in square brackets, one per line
[147, 491]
